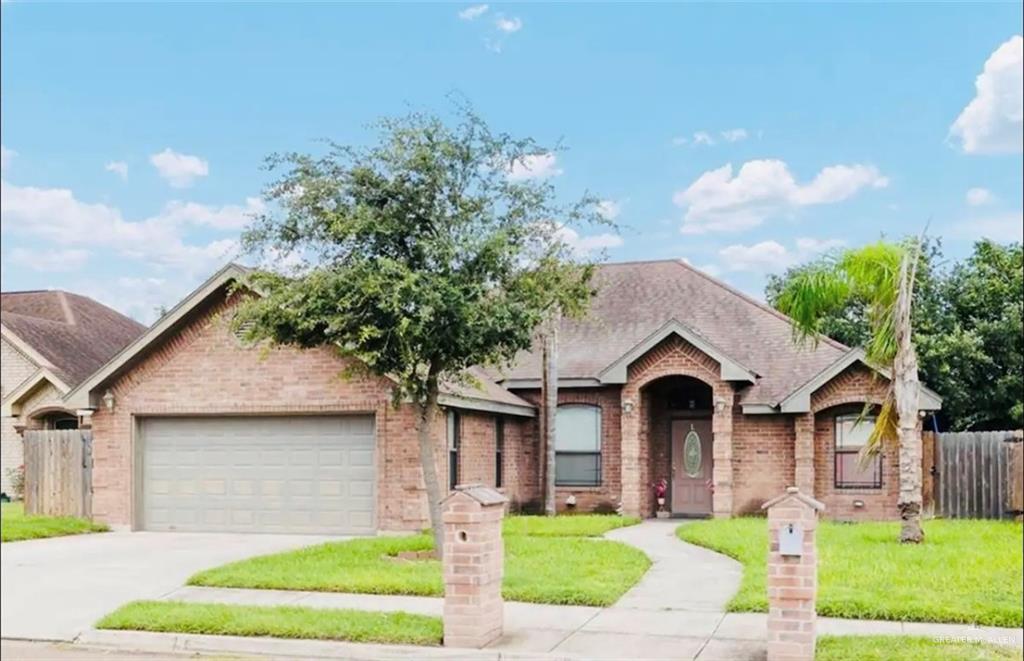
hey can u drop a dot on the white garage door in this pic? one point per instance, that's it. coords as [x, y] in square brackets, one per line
[276, 474]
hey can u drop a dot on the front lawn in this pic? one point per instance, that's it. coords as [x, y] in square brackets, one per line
[576, 525]
[538, 569]
[966, 571]
[15, 526]
[907, 648]
[277, 621]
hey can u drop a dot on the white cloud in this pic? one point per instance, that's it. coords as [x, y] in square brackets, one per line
[772, 256]
[734, 135]
[703, 138]
[977, 197]
[227, 217]
[139, 297]
[534, 166]
[508, 25]
[609, 209]
[473, 12]
[56, 215]
[119, 168]
[680, 140]
[1001, 227]
[719, 201]
[993, 122]
[50, 261]
[6, 156]
[584, 246]
[180, 170]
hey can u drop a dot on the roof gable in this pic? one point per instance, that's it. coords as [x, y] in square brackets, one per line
[730, 368]
[488, 397]
[799, 401]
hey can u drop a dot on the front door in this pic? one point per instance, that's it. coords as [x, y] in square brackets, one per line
[691, 466]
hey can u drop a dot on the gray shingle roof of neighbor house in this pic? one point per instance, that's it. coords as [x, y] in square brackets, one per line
[639, 303]
[73, 333]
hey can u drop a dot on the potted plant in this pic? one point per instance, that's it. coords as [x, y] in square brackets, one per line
[660, 489]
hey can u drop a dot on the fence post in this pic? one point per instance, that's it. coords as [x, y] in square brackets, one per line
[1015, 477]
[792, 575]
[473, 564]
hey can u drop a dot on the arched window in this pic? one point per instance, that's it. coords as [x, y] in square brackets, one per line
[578, 445]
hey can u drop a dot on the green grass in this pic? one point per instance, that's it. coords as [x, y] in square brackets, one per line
[538, 569]
[277, 621]
[576, 525]
[907, 648]
[15, 526]
[965, 572]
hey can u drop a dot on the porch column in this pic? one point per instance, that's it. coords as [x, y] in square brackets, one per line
[630, 451]
[721, 430]
[803, 453]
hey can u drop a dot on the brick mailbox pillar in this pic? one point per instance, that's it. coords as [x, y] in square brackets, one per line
[473, 564]
[792, 575]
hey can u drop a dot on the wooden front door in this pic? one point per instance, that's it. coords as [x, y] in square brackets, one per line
[691, 466]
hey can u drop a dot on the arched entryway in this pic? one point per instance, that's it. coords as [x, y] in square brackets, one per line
[677, 428]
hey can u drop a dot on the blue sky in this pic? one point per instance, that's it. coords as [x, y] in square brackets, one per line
[743, 138]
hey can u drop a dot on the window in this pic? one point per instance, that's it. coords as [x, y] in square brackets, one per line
[499, 451]
[850, 438]
[578, 446]
[453, 449]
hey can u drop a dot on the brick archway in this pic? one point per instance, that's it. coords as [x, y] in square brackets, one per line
[673, 357]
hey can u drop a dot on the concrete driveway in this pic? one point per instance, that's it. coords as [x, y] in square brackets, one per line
[52, 589]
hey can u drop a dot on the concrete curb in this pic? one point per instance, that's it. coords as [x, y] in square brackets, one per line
[170, 643]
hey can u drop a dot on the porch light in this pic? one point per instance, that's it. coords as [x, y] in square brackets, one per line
[719, 405]
[628, 405]
[108, 400]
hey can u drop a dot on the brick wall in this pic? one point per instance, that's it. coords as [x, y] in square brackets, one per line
[204, 369]
[762, 460]
[588, 499]
[15, 367]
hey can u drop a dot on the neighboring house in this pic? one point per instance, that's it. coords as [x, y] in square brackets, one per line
[673, 376]
[50, 341]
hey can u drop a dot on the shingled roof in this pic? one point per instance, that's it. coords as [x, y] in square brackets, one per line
[74, 333]
[636, 299]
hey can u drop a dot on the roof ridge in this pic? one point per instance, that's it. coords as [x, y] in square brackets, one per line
[638, 261]
[753, 301]
[65, 307]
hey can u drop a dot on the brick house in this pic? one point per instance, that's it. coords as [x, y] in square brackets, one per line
[673, 375]
[50, 341]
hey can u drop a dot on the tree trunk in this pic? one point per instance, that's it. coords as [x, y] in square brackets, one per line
[549, 386]
[425, 426]
[906, 392]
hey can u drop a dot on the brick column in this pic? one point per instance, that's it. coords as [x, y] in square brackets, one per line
[804, 453]
[473, 565]
[632, 414]
[721, 452]
[792, 575]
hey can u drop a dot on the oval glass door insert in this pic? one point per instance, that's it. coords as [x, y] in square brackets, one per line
[692, 455]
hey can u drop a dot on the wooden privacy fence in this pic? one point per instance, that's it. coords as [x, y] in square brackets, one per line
[978, 474]
[58, 472]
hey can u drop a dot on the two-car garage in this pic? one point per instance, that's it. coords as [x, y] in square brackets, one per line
[273, 474]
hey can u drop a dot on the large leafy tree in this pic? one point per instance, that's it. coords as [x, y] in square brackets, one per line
[418, 257]
[881, 276]
[978, 357]
[966, 321]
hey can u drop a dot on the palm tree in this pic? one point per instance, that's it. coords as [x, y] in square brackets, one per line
[882, 274]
